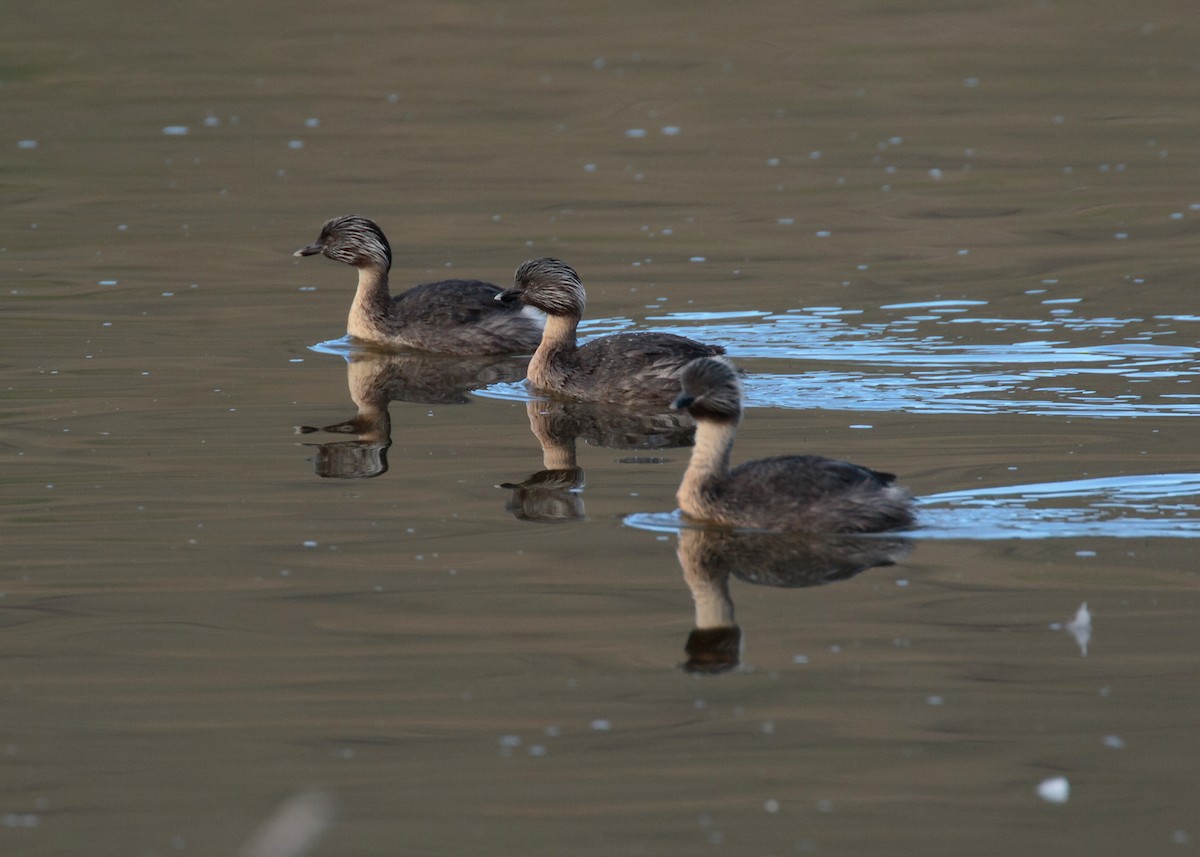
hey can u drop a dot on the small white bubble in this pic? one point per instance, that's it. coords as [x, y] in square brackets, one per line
[1114, 742]
[589, 168]
[822, 233]
[670, 130]
[175, 130]
[600, 725]
[771, 806]
[934, 700]
[309, 543]
[1054, 790]
[295, 144]
[27, 144]
[635, 132]
[697, 259]
[312, 122]
[772, 162]
[971, 82]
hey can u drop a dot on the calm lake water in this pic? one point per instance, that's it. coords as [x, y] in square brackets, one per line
[954, 241]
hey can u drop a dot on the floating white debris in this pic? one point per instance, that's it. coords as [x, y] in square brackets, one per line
[771, 806]
[635, 132]
[1054, 790]
[1081, 627]
[175, 130]
[589, 168]
[295, 144]
[294, 828]
[27, 144]
[670, 130]
[1113, 742]
[312, 122]
[600, 725]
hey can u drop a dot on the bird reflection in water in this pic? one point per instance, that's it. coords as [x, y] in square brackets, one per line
[375, 379]
[554, 494]
[786, 560]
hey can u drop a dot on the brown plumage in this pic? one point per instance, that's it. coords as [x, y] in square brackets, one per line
[449, 316]
[801, 493]
[624, 368]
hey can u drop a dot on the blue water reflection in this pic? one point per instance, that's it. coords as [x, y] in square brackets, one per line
[1165, 505]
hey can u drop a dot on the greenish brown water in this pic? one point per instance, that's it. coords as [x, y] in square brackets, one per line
[969, 227]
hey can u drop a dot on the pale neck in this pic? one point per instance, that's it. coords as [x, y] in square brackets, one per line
[709, 462]
[560, 331]
[370, 303]
[371, 283]
[712, 449]
[558, 336]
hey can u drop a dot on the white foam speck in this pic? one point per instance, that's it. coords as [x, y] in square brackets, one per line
[1054, 790]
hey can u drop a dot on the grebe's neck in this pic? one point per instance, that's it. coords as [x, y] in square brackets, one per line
[558, 339]
[710, 461]
[371, 302]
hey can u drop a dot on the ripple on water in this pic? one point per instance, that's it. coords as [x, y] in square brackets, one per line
[1163, 505]
[930, 363]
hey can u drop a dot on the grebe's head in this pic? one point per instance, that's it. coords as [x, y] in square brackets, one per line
[710, 390]
[550, 285]
[354, 240]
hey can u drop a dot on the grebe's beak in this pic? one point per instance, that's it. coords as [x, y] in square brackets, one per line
[310, 250]
[682, 403]
[508, 296]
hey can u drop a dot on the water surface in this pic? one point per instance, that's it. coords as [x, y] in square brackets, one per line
[954, 242]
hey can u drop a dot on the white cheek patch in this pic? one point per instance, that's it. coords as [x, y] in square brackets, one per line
[532, 313]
